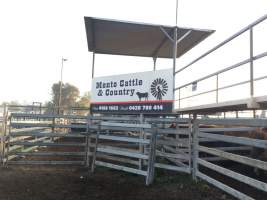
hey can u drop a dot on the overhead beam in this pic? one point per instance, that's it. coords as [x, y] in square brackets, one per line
[167, 35]
[184, 36]
[155, 52]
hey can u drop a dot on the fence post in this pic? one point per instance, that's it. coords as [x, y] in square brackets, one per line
[141, 146]
[195, 147]
[5, 119]
[53, 124]
[95, 148]
[190, 130]
[7, 142]
[152, 155]
[4, 128]
[88, 140]
[177, 136]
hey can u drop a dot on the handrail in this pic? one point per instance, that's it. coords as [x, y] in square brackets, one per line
[224, 42]
[216, 74]
[225, 69]
[224, 87]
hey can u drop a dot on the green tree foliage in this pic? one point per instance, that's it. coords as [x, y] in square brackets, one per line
[69, 98]
[84, 104]
[69, 94]
[15, 103]
[84, 100]
[49, 108]
[12, 103]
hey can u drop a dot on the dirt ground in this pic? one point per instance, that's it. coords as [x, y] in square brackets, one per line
[75, 183]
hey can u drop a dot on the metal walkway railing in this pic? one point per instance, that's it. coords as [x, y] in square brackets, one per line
[216, 75]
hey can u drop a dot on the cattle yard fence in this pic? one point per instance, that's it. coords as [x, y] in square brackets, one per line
[142, 144]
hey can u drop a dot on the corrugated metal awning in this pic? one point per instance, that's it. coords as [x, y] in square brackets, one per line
[136, 39]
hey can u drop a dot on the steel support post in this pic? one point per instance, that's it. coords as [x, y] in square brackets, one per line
[4, 130]
[60, 86]
[154, 63]
[254, 114]
[93, 65]
[87, 146]
[190, 127]
[217, 88]
[93, 72]
[141, 146]
[7, 142]
[152, 155]
[174, 59]
[195, 147]
[95, 148]
[179, 98]
[5, 119]
[251, 63]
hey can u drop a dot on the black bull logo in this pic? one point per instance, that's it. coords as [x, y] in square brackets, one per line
[142, 95]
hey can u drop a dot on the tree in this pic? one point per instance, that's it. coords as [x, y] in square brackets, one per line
[49, 108]
[15, 103]
[84, 104]
[84, 100]
[69, 98]
[69, 94]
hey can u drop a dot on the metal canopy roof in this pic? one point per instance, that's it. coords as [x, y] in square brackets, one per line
[136, 39]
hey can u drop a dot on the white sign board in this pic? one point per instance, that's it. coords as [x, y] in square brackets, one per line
[143, 92]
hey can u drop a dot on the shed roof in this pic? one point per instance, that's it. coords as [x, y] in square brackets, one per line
[137, 39]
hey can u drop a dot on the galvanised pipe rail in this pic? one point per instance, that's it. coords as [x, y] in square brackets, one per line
[250, 60]
[221, 88]
[224, 42]
[224, 70]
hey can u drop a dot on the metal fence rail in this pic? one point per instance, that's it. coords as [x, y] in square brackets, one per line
[140, 145]
[114, 142]
[230, 137]
[174, 145]
[29, 133]
[132, 155]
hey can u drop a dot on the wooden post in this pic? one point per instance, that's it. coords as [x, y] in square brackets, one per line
[195, 147]
[152, 155]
